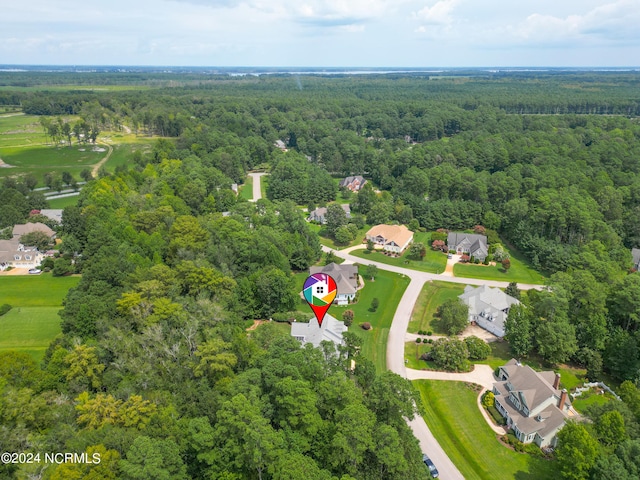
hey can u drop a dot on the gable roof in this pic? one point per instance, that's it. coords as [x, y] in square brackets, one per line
[635, 255]
[345, 276]
[313, 333]
[398, 234]
[472, 240]
[19, 230]
[349, 180]
[491, 304]
[532, 389]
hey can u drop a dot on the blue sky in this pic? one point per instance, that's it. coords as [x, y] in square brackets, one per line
[393, 33]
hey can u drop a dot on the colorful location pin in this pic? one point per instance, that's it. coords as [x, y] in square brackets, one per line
[319, 291]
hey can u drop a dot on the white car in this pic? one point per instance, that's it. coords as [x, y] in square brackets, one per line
[35, 271]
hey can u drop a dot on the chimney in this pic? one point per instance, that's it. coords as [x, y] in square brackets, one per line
[563, 399]
[556, 382]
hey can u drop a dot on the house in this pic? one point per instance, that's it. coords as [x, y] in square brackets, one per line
[354, 183]
[346, 278]
[19, 230]
[14, 254]
[320, 214]
[488, 307]
[281, 145]
[393, 238]
[331, 330]
[53, 214]
[470, 243]
[234, 188]
[635, 254]
[532, 403]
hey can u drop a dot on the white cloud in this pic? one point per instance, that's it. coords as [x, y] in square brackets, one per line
[437, 14]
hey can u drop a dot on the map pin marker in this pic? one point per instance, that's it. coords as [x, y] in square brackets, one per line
[319, 291]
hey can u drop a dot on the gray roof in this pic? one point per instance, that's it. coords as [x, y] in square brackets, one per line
[53, 214]
[320, 213]
[311, 332]
[488, 302]
[348, 180]
[635, 254]
[470, 242]
[346, 276]
[533, 389]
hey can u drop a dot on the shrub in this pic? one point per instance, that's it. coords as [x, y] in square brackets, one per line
[488, 399]
[485, 262]
[478, 348]
[347, 317]
[365, 326]
[429, 332]
[451, 354]
[4, 308]
[418, 340]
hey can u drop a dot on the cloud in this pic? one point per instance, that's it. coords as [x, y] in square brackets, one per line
[438, 14]
[615, 22]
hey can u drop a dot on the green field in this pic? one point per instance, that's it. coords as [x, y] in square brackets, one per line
[246, 190]
[520, 271]
[412, 353]
[388, 289]
[433, 295]
[63, 202]
[450, 410]
[33, 321]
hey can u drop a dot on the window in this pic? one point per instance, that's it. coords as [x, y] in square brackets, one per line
[27, 257]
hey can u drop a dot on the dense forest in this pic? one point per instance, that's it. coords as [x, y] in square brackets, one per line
[154, 368]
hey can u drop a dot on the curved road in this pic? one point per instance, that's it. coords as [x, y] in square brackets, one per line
[395, 345]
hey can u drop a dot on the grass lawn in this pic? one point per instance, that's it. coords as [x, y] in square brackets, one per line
[590, 398]
[264, 181]
[33, 322]
[412, 353]
[29, 329]
[246, 189]
[42, 290]
[520, 271]
[450, 410]
[433, 295]
[328, 242]
[433, 262]
[388, 289]
[63, 202]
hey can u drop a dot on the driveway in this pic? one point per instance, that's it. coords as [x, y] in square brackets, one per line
[257, 191]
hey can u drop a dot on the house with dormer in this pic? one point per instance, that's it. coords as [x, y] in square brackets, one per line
[353, 183]
[392, 238]
[532, 403]
[346, 278]
[15, 254]
[471, 244]
[488, 307]
[331, 330]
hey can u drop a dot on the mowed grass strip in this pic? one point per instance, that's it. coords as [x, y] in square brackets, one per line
[433, 295]
[29, 329]
[450, 410]
[388, 288]
[520, 271]
[42, 290]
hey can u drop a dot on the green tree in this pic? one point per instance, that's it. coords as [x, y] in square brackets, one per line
[374, 304]
[478, 348]
[153, 458]
[37, 239]
[519, 330]
[512, 290]
[454, 316]
[335, 218]
[577, 451]
[451, 354]
[371, 271]
[556, 340]
[84, 367]
[610, 428]
[417, 251]
[343, 235]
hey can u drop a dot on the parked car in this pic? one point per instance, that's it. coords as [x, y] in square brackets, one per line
[34, 271]
[432, 468]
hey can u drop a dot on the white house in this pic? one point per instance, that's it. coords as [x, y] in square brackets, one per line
[346, 277]
[488, 307]
[331, 330]
[532, 403]
[393, 238]
[14, 254]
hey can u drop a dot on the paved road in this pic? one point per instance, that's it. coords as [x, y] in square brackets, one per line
[395, 347]
[257, 192]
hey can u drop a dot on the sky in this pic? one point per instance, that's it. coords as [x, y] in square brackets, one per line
[338, 33]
